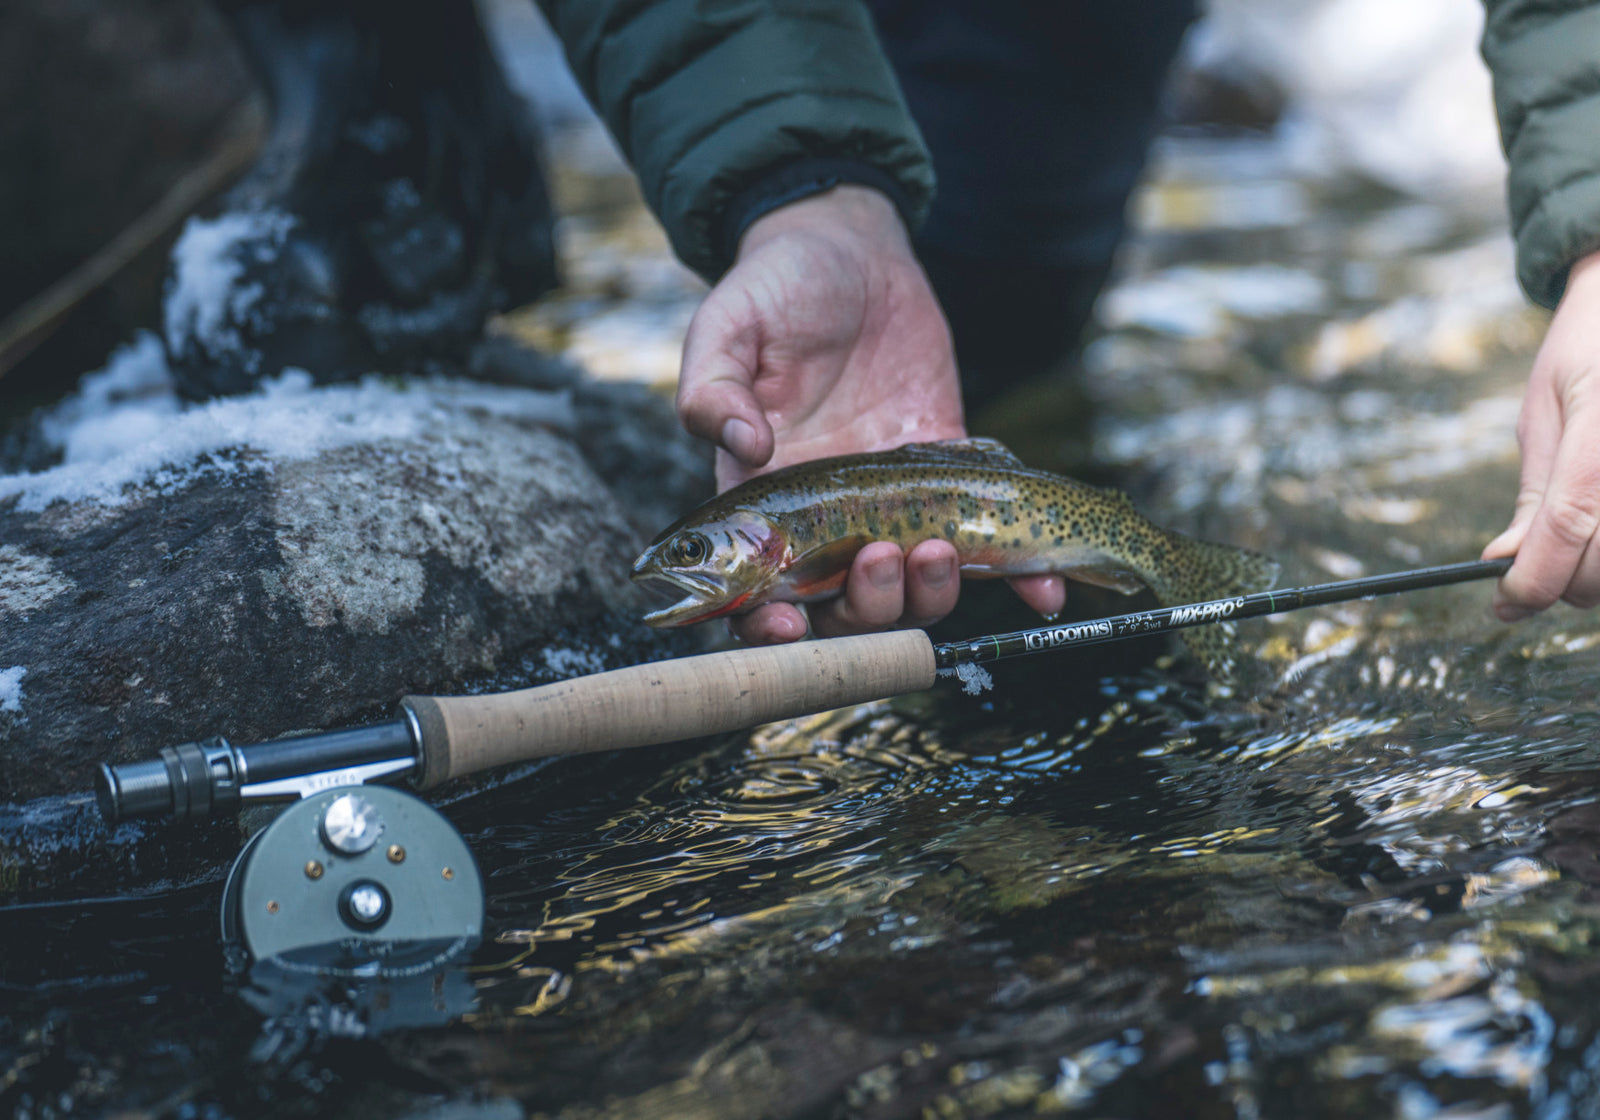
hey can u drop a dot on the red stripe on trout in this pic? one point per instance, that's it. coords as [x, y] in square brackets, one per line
[792, 534]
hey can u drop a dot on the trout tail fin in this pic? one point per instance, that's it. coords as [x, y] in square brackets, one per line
[1200, 571]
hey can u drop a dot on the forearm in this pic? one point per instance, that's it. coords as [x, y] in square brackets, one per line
[1545, 58]
[708, 101]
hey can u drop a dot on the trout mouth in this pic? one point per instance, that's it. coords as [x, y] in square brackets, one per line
[699, 597]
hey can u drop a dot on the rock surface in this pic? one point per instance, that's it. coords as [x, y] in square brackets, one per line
[298, 559]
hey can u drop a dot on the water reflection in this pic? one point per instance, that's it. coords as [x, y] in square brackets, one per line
[311, 1000]
[1311, 889]
[1120, 896]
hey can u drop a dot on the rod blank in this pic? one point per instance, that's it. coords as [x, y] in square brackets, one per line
[1017, 643]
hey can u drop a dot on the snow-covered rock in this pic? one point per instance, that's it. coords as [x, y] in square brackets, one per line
[302, 556]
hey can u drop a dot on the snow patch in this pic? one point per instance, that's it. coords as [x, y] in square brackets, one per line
[206, 297]
[573, 662]
[11, 689]
[133, 450]
[126, 403]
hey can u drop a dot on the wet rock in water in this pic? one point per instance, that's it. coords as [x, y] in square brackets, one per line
[298, 558]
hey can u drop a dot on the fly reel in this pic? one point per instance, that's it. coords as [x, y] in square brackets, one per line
[355, 881]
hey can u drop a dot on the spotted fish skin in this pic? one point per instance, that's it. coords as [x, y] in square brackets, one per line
[790, 535]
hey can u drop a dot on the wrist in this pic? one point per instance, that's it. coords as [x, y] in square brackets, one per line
[800, 179]
[1584, 274]
[863, 215]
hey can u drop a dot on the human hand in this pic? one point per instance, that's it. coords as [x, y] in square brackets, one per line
[825, 339]
[1553, 529]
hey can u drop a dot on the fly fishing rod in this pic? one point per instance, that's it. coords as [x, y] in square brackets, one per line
[437, 738]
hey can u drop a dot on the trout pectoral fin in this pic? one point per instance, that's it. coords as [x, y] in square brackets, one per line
[823, 569]
[1111, 578]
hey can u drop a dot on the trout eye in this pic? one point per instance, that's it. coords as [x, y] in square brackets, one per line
[691, 548]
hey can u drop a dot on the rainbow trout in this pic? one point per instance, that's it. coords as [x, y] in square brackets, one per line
[791, 535]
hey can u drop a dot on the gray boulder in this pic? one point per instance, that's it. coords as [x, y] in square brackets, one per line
[302, 557]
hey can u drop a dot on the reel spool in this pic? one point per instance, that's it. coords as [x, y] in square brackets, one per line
[355, 881]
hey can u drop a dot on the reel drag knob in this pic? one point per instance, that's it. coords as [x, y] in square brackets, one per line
[350, 824]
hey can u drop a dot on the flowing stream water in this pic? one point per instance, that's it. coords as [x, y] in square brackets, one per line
[1363, 883]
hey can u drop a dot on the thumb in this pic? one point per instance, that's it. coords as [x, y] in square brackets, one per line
[721, 358]
[1539, 431]
[1511, 538]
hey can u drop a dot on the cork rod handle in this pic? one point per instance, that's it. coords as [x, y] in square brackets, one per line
[665, 701]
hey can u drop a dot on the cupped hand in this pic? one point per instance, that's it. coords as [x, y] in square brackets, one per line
[825, 339]
[1553, 529]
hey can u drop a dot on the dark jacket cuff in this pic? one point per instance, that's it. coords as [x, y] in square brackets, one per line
[802, 178]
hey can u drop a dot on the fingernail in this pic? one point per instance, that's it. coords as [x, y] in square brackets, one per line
[739, 437]
[883, 573]
[937, 575]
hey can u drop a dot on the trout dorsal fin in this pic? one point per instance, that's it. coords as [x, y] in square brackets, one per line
[971, 449]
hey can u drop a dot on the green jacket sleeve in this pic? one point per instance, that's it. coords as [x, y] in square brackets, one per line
[1545, 56]
[708, 98]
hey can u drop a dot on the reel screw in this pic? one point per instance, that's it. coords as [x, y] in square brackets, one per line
[364, 905]
[351, 824]
[313, 869]
[272, 906]
[448, 873]
[397, 854]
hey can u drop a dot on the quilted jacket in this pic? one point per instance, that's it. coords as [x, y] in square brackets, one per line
[1545, 57]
